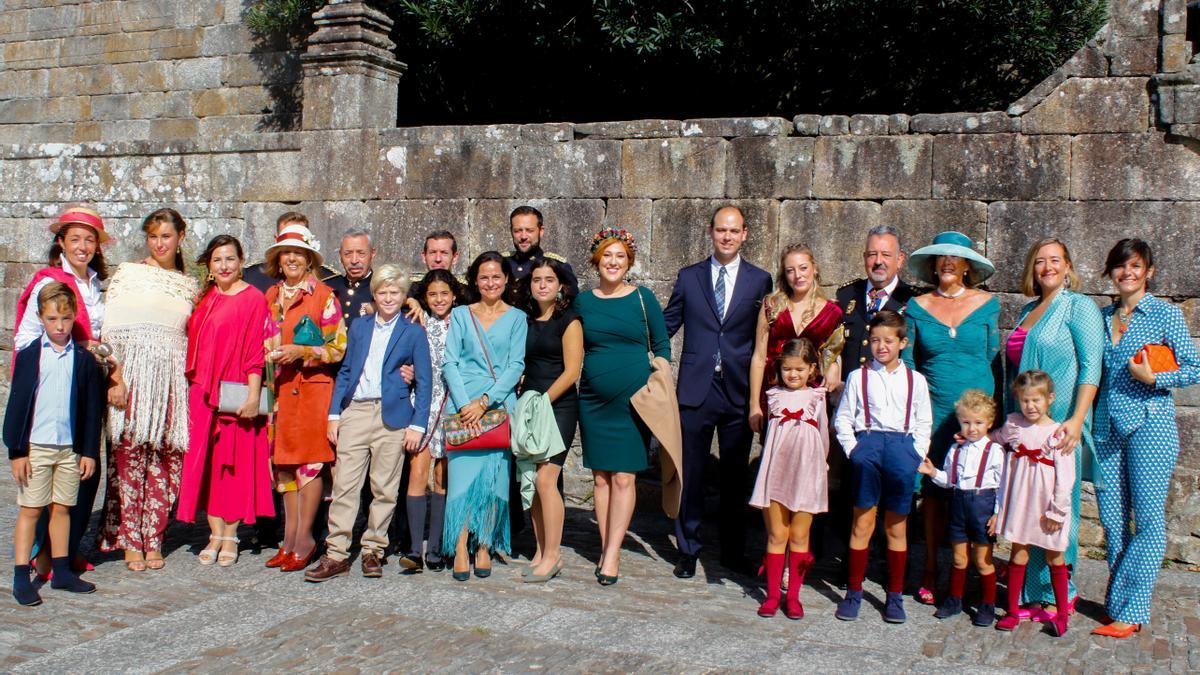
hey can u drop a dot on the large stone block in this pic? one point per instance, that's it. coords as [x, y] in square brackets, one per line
[770, 167]
[569, 223]
[28, 84]
[872, 167]
[348, 163]
[1135, 18]
[1001, 166]
[1176, 53]
[993, 122]
[836, 232]
[1090, 229]
[921, 219]
[446, 170]
[399, 227]
[674, 167]
[38, 179]
[260, 176]
[680, 233]
[1133, 166]
[631, 129]
[1092, 106]
[576, 169]
[731, 127]
[1132, 55]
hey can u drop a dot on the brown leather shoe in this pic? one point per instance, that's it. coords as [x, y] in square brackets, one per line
[326, 569]
[372, 566]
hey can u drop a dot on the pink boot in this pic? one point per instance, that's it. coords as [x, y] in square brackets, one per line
[773, 563]
[1060, 575]
[1016, 579]
[798, 564]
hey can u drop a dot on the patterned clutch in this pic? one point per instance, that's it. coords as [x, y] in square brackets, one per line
[1162, 359]
[494, 432]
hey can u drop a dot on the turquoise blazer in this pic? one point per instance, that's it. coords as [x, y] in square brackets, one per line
[466, 368]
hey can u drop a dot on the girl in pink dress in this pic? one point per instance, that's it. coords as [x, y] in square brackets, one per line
[791, 484]
[227, 469]
[1035, 494]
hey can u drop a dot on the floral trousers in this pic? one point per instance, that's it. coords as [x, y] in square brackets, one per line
[143, 483]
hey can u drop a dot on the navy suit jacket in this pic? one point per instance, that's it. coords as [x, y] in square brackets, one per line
[693, 307]
[87, 402]
[408, 344]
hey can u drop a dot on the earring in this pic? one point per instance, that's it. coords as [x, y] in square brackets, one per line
[558, 296]
[210, 276]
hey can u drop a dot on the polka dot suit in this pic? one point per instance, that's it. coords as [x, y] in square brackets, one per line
[1137, 444]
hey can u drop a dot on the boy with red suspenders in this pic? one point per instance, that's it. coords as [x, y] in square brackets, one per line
[883, 423]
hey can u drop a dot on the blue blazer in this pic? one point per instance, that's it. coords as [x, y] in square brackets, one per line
[87, 402]
[693, 307]
[408, 345]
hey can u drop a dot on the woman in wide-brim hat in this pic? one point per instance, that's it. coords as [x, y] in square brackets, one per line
[954, 341]
[302, 376]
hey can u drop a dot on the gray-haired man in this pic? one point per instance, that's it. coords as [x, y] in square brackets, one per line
[881, 289]
[353, 287]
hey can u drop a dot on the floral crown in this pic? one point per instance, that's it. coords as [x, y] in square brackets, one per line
[614, 233]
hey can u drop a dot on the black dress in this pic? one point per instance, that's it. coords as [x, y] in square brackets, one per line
[544, 364]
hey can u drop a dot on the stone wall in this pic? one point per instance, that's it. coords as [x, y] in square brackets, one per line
[1089, 155]
[74, 71]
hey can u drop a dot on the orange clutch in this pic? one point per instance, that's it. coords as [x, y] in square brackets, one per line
[1162, 359]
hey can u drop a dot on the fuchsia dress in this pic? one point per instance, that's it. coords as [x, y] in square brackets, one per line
[1036, 483]
[794, 471]
[227, 470]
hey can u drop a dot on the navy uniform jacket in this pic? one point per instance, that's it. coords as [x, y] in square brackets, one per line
[521, 264]
[852, 299]
[693, 307]
[354, 297]
[87, 402]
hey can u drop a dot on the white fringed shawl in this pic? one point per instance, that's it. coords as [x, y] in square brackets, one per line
[145, 322]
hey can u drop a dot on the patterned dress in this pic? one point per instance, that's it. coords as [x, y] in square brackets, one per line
[1036, 482]
[1137, 445]
[793, 470]
[435, 333]
[1067, 343]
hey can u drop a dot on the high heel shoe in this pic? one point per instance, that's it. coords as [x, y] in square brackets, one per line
[532, 578]
[295, 563]
[461, 576]
[279, 558]
[1118, 633]
[607, 580]
[226, 559]
[207, 556]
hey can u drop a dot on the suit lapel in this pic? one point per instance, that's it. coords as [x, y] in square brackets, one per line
[741, 286]
[704, 279]
[397, 331]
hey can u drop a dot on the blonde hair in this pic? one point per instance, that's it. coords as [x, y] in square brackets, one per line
[1029, 285]
[59, 295]
[778, 301]
[389, 275]
[977, 401]
[1031, 379]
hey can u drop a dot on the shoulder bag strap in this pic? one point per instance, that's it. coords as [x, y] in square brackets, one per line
[482, 344]
[645, 324]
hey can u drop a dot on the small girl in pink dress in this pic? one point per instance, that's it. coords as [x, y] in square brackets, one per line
[792, 477]
[1035, 494]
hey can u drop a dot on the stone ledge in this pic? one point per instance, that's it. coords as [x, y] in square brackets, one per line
[630, 129]
[964, 123]
[730, 127]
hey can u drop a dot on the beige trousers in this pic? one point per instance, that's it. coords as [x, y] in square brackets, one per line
[365, 448]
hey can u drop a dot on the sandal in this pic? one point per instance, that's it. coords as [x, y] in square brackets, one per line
[156, 563]
[208, 556]
[925, 596]
[135, 565]
[226, 559]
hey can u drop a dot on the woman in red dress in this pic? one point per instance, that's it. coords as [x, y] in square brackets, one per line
[797, 309]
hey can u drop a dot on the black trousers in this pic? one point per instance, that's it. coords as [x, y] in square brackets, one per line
[717, 414]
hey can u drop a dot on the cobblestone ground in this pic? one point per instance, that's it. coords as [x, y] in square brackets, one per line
[248, 618]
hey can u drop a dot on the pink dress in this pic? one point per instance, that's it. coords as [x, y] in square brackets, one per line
[227, 469]
[794, 471]
[1036, 484]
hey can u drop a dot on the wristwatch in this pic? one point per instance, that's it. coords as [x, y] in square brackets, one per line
[483, 401]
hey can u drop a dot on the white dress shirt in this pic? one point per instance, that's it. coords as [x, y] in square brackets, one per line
[731, 271]
[887, 396]
[30, 327]
[370, 382]
[52, 405]
[970, 456]
[889, 289]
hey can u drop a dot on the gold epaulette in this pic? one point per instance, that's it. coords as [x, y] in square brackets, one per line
[553, 256]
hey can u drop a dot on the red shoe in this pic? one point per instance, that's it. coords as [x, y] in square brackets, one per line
[1118, 633]
[295, 563]
[793, 609]
[280, 558]
[1009, 622]
[79, 565]
[1043, 614]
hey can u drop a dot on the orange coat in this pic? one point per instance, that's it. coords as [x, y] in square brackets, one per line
[304, 389]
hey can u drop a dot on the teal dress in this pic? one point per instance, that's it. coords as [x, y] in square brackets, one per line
[1068, 344]
[478, 480]
[952, 364]
[615, 366]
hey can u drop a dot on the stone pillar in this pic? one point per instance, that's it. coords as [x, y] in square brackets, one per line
[351, 76]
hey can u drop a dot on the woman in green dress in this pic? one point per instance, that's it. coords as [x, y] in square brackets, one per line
[1062, 333]
[954, 341]
[621, 323]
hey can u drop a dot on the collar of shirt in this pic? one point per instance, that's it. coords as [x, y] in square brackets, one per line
[46, 344]
[731, 269]
[534, 251]
[882, 369]
[1141, 307]
[889, 289]
[380, 324]
[355, 284]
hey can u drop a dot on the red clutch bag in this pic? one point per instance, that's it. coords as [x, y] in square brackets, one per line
[1162, 359]
[494, 429]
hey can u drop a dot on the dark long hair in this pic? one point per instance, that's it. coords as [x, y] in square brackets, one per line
[432, 276]
[523, 295]
[205, 257]
[172, 218]
[98, 264]
[472, 291]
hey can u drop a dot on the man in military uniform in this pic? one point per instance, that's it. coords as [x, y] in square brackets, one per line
[526, 226]
[353, 288]
[256, 275]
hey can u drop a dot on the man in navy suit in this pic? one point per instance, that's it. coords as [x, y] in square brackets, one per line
[373, 424]
[716, 301]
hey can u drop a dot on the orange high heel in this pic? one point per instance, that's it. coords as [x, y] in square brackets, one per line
[1118, 633]
[280, 558]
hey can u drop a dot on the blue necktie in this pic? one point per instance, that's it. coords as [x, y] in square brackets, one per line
[719, 293]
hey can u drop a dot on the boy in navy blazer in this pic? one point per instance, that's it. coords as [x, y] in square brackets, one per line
[52, 431]
[373, 424]
[716, 301]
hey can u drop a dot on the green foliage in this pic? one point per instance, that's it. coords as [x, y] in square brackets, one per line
[530, 60]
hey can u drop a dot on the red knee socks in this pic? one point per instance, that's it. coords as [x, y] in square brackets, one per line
[774, 568]
[1060, 575]
[958, 581]
[896, 561]
[798, 564]
[1016, 581]
[987, 587]
[857, 564]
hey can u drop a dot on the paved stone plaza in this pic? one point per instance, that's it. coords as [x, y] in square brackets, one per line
[247, 618]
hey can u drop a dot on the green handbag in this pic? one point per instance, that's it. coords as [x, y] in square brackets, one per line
[307, 333]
